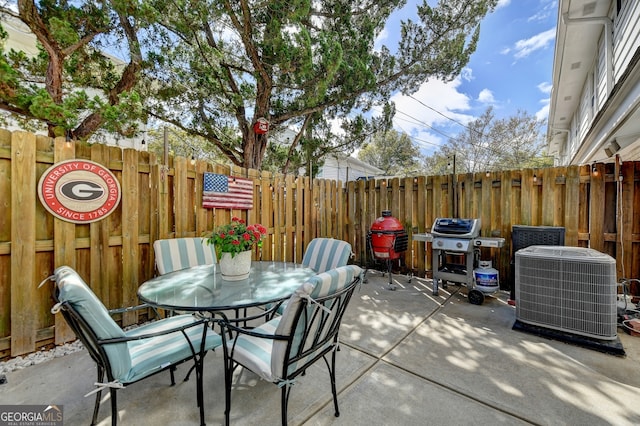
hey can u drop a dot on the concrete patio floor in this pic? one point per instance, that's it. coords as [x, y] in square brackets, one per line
[407, 358]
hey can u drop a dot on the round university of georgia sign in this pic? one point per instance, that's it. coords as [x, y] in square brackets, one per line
[79, 191]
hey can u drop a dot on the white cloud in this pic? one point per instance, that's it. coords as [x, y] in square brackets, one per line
[539, 41]
[503, 3]
[486, 96]
[429, 116]
[543, 113]
[547, 10]
[545, 87]
[466, 74]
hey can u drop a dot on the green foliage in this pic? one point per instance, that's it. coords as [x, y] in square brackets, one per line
[493, 144]
[236, 237]
[393, 152]
[226, 64]
[72, 83]
[213, 68]
[182, 144]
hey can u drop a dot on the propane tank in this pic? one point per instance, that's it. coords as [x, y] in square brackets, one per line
[486, 277]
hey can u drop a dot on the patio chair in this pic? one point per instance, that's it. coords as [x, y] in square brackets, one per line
[179, 253]
[130, 356]
[323, 254]
[284, 347]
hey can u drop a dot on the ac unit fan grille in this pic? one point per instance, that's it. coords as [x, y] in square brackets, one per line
[576, 295]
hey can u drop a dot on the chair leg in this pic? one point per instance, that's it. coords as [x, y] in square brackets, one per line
[228, 375]
[114, 407]
[186, 378]
[199, 367]
[96, 407]
[172, 371]
[332, 374]
[283, 404]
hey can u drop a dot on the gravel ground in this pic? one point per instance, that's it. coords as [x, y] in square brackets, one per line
[34, 358]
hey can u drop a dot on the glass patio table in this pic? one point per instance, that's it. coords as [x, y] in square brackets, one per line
[201, 288]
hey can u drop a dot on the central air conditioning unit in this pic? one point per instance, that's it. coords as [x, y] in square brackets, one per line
[570, 289]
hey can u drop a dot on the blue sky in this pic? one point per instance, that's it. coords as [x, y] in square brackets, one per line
[510, 70]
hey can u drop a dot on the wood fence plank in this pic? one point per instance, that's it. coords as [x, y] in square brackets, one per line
[130, 249]
[64, 251]
[486, 203]
[23, 277]
[5, 236]
[340, 231]
[527, 185]
[421, 222]
[350, 213]
[278, 218]
[299, 218]
[181, 197]
[548, 197]
[572, 201]
[266, 213]
[155, 182]
[627, 223]
[203, 224]
[596, 208]
[308, 226]
[506, 205]
[289, 220]
[99, 240]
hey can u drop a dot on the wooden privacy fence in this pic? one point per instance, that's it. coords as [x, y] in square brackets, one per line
[600, 210]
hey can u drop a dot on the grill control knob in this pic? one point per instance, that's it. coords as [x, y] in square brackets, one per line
[439, 243]
[459, 244]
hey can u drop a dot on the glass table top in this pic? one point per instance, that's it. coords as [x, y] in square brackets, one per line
[202, 288]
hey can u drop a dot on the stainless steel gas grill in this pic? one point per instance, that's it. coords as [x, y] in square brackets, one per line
[455, 245]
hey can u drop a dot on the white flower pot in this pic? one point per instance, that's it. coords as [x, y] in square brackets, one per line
[235, 268]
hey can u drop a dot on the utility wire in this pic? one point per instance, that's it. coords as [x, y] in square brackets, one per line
[448, 118]
[425, 124]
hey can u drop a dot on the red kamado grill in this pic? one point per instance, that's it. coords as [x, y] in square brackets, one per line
[387, 241]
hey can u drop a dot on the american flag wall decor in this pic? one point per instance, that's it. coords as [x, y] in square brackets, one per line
[227, 192]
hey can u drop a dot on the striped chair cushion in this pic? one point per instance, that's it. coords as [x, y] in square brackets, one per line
[150, 355]
[255, 352]
[180, 253]
[76, 292]
[266, 357]
[323, 254]
[324, 284]
[133, 360]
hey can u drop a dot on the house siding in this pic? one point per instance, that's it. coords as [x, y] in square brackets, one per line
[626, 36]
[595, 92]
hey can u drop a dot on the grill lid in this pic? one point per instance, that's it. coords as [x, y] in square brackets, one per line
[456, 228]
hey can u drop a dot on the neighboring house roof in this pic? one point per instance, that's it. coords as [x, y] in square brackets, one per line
[345, 168]
[594, 110]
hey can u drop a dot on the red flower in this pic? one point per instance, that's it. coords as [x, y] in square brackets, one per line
[236, 236]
